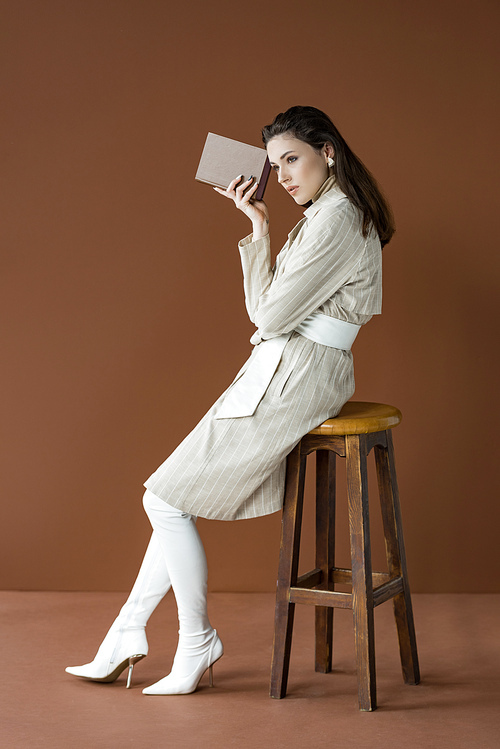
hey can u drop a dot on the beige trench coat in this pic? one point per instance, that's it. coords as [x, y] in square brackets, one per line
[234, 468]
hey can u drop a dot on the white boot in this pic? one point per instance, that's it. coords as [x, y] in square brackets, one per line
[199, 644]
[125, 643]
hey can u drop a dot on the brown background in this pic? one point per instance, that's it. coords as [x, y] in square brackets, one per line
[122, 305]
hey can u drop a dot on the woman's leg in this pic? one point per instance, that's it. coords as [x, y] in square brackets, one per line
[199, 645]
[126, 637]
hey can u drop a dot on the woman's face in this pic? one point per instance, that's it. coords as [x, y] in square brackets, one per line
[299, 167]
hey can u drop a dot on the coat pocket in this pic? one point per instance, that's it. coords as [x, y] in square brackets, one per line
[282, 386]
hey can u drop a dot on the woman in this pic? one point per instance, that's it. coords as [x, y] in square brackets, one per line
[325, 284]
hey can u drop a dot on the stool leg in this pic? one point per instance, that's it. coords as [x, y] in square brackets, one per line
[362, 584]
[287, 571]
[325, 554]
[396, 558]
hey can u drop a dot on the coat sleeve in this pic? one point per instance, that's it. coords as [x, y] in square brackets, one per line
[318, 264]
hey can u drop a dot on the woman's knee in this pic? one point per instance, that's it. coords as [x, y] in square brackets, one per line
[154, 506]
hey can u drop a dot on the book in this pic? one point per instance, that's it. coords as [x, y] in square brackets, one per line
[223, 159]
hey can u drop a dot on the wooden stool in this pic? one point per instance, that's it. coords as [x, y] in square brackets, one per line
[357, 429]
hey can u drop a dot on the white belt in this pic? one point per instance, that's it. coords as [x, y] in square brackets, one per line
[329, 331]
[244, 396]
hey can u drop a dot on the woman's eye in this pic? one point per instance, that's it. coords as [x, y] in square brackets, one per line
[289, 160]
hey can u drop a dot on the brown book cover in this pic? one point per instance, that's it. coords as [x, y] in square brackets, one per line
[223, 159]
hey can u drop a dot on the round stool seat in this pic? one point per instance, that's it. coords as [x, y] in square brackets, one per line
[358, 417]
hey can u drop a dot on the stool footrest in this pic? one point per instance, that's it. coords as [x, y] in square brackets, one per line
[305, 591]
[342, 575]
[388, 590]
[313, 578]
[310, 579]
[321, 598]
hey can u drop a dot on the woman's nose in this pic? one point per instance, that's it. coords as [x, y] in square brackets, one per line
[282, 176]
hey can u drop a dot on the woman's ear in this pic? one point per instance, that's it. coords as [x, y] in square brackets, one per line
[329, 155]
[328, 150]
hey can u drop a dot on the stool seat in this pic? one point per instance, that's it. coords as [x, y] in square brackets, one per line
[358, 417]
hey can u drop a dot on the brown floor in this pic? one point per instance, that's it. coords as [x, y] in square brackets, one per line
[456, 705]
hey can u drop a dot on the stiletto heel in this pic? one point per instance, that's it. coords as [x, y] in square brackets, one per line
[131, 663]
[211, 675]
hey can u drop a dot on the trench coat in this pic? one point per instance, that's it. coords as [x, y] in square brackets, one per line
[234, 468]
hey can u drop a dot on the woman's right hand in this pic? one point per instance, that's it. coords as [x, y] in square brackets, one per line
[256, 210]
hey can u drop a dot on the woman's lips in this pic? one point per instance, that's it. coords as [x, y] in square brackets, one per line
[292, 190]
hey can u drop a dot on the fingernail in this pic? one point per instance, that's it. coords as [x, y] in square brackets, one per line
[250, 177]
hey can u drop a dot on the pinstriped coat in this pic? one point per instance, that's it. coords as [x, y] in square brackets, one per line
[234, 468]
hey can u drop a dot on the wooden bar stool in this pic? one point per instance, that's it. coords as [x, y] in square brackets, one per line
[357, 429]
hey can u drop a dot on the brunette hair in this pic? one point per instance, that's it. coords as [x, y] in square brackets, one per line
[314, 127]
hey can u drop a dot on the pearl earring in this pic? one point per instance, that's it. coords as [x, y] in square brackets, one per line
[330, 161]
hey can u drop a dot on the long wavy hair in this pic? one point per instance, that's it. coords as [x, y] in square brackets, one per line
[314, 127]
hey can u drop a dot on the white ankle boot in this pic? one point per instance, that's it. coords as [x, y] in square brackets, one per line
[125, 644]
[191, 661]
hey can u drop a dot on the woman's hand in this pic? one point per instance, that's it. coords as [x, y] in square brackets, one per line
[256, 210]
